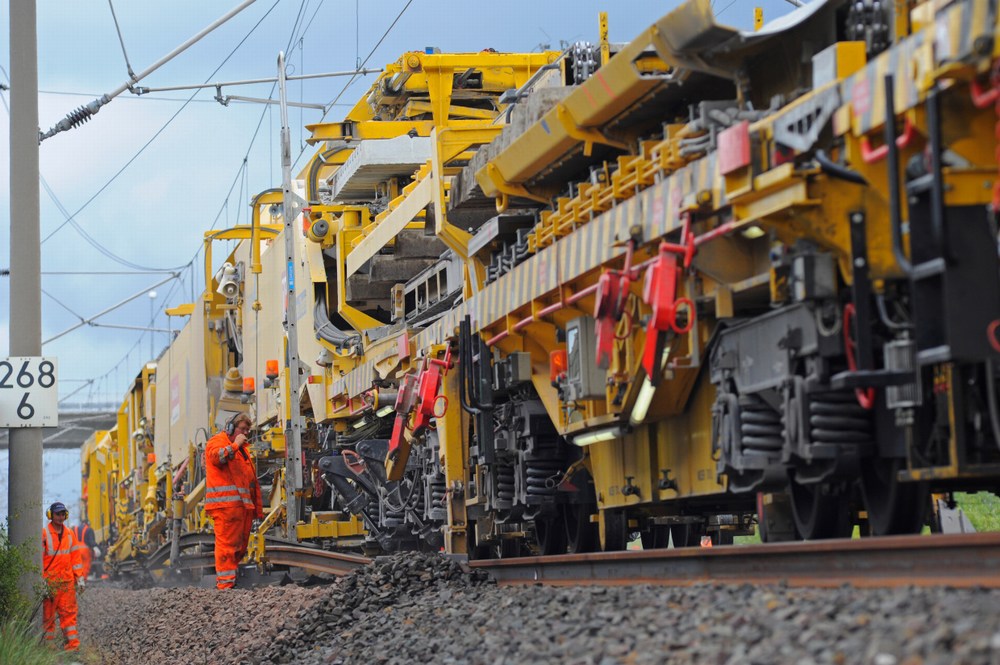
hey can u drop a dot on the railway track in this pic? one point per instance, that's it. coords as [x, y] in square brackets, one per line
[196, 551]
[967, 560]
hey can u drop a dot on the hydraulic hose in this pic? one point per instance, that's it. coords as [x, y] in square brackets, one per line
[465, 366]
[317, 164]
[892, 166]
[354, 501]
[835, 170]
[328, 332]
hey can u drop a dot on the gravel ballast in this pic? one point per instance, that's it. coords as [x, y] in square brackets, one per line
[424, 609]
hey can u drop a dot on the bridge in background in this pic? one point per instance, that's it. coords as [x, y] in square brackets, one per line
[74, 428]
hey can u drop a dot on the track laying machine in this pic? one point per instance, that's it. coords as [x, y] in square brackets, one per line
[696, 284]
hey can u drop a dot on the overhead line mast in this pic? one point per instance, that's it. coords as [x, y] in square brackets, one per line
[291, 207]
[24, 497]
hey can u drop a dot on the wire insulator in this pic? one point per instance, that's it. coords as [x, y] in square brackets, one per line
[79, 116]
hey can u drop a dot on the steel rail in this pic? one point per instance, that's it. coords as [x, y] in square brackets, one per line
[966, 560]
[278, 552]
[334, 563]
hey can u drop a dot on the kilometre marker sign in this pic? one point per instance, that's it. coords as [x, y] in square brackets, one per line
[29, 392]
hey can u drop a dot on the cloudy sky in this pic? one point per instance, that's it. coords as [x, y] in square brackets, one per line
[145, 177]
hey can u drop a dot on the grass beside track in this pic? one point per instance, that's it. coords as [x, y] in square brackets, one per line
[982, 508]
[19, 643]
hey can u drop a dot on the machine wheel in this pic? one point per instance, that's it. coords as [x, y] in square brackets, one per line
[550, 535]
[615, 530]
[581, 533]
[893, 507]
[506, 548]
[656, 537]
[820, 512]
[687, 535]
[775, 522]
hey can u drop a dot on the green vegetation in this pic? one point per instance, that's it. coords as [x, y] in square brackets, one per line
[19, 634]
[982, 509]
[19, 643]
[12, 565]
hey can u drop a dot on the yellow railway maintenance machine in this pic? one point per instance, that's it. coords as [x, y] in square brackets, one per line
[704, 279]
[701, 282]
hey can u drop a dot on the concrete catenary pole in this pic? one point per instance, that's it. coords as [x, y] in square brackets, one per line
[24, 494]
[293, 430]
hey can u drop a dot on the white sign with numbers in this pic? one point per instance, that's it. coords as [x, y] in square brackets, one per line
[29, 392]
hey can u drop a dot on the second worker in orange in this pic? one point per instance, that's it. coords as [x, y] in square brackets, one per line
[232, 496]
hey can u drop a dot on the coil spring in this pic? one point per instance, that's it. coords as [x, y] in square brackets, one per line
[761, 428]
[438, 492]
[837, 418]
[504, 475]
[419, 500]
[393, 516]
[542, 476]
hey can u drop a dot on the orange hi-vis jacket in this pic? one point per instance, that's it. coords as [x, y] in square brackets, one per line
[230, 477]
[86, 556]
[60, 557]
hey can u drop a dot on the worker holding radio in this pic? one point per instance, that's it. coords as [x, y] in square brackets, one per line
[232, 496]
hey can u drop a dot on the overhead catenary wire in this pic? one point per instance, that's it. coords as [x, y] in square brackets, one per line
[86, 383]
[150, 329]
[77, 117]
[372, 52]
[69, 220]
[109, 309]
[143, 98]
[121, 40]
[241, 173]
[257, 100]
[62, 304]
[94, 243]
[333, 103]
[163, 127]
[229, 84]
[102, 272]
[95, 381]
[102, 381]
[720, 12]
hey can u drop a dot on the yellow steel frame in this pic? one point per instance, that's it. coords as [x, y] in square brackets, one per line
[400, 215]
[345, 229]
[328, 525]
[253, 233]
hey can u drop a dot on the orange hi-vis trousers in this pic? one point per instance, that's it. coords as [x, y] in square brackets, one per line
[231, 531]
[61, 601]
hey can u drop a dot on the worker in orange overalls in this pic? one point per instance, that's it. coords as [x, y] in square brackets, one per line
[86, 543]
[232, 496]
[62, 571]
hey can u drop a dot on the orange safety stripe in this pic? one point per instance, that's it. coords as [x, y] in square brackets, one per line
[223, 496]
